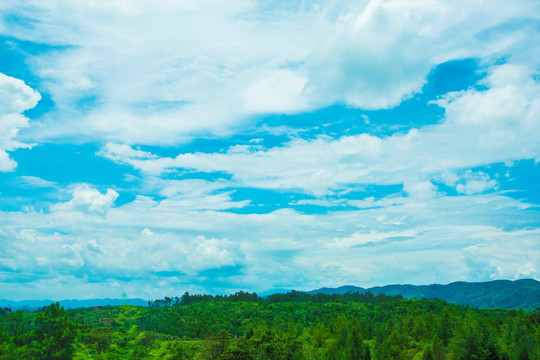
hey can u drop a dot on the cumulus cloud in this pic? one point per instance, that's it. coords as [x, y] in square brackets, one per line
[353, 247]
[376, 57]
[147, 232]
[88, 200]
[381, 54]
[478, 266]
[526, 271]
[448, 178]
[501, 119]
[475, 183]
[420, 189]
[210, 253]
[15, 98]
[33, 256]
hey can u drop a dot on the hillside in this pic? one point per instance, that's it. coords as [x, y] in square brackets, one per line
[519, 294]
[289, 326]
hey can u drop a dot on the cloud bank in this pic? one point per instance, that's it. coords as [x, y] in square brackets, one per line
[206, 146]
[160, 74]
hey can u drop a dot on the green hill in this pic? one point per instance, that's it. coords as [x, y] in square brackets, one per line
[505, 294]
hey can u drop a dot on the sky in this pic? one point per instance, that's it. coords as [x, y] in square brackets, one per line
[153, 148]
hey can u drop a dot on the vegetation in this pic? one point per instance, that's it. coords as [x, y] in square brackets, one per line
[505, 294]
[295, 325]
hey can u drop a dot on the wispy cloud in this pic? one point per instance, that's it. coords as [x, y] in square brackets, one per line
[33, 181]
[498, 124]
[218, 65]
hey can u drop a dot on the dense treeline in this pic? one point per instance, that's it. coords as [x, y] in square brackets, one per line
[187, 299]
[295, 325]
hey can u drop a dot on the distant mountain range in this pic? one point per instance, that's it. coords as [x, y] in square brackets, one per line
[505, 294]
[70, 304]
[519, 294]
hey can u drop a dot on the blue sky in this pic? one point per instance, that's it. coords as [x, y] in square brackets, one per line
[208, 146]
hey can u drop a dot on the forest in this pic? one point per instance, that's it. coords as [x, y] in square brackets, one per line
[295, 325]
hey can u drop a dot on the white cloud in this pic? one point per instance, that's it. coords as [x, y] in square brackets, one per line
[210, 253]
[6, 163]
[147, 232]
[193, 194]
[372, 59]
[479, 267]
[504, 114]
[34, 181]
[88, 200]
[317, 202]
[192, 188]
[441, 233]
[372, 237]
[498, 124]
[279, 91]
[15, 98]
[72, 255]
[377, 55]
[31, 256]
[420, 189]
[161, 74]
[314, 166]
[174, 69]
[526, 271]
[121, 153]
[448, 178]
[165, 72]
[475, 183]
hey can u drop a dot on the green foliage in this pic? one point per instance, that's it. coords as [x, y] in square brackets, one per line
[47, 335]
[53, 335]
[243, 326]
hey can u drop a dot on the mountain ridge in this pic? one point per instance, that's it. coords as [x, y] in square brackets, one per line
[506, 294]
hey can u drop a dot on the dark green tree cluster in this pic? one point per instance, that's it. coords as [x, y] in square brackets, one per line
[355, 326]
[188, 299]
[48, 334]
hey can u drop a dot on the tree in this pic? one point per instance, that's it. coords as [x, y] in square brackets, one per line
[392, 347]
[355, 348]
[428, 354]
[437, 348]
[467, 344]
[16, 327]
[54, 334]
[444, 326]
[523, 354]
